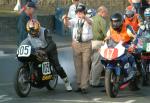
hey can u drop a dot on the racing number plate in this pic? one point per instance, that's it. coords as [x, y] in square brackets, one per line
[148, 47]
[46, 68]
[24, 51]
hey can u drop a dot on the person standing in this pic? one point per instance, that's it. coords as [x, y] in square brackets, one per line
[82, 36]
[23, 18]
[18, 6]
[99, 27]
[136, 4]
[72, 9]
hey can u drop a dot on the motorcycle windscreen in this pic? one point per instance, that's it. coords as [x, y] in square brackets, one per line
[112, 53]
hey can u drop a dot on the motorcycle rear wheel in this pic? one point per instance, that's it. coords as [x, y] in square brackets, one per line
[53, 83]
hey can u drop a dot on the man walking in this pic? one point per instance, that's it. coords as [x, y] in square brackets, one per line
[99, 30]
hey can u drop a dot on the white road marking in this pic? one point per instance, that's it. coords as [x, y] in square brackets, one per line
[4, 98]
[130, 101]
[5, 84]
[96, 100]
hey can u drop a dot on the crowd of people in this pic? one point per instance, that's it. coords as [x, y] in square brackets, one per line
[88, 35]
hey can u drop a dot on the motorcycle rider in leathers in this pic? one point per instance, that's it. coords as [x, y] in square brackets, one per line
[118, 32]
[144, 30]
[38, 38]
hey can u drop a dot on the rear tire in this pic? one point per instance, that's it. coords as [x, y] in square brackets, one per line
[21, 82]
[53, 83]
[109, 85]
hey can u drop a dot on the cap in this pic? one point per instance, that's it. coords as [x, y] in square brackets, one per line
[31, 4]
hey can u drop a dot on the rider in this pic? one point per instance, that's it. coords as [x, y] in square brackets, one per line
[119, 31]
[146, 25]
[38, 38]
[145, 30]
[132, 19]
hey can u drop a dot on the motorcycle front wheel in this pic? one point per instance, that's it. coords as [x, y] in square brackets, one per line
[53, 83]
[110, 82]
[21, 82]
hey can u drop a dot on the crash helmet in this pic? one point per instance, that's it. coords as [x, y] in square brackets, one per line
[129, 14]
[116, 21]
[33, 27]
[147, 14]
[147, 18]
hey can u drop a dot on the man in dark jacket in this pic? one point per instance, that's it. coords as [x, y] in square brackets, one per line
[24, 17]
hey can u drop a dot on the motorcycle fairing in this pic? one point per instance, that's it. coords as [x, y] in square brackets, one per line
[112, 53]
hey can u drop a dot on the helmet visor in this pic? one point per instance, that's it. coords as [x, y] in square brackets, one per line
[116, 24]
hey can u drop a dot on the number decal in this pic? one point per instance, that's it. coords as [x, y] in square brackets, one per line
[111, 53]
[24, 51]
[148, 47]
[46, 68]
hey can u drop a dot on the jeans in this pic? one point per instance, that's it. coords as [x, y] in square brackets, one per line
[137, 7]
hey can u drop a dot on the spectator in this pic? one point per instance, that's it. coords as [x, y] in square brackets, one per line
[18, 6]
[99, 30]
[24, 17]
[82, 36]
[145, 4]
[24, 4]
[136, 4]
[72, 9]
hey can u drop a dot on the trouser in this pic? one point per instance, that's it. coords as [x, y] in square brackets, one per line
[137, 7]
[82, 61]
[53, 58]
[96, 67]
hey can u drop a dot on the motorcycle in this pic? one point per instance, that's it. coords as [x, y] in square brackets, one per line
[118, 70]
[35, 70]
[144, 46]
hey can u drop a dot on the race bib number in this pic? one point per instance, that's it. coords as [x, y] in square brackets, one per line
[46, 68]
[148, 47]
[24, 51]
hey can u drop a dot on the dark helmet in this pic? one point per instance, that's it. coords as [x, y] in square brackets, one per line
[81, 8]
[116, 21]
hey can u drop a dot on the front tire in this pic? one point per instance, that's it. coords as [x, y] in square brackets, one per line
[21, 82]
[110, 81]
[53, 83]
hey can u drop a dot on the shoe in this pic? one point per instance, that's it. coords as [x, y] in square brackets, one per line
[78, 90]
[145, 83]
[97, 86]
[104, 91]
[135, 89]
[84, 91]
[67, 85]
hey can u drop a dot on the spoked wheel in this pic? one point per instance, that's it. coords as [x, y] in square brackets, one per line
[53, 83]
[21, 82]
[110, 84]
